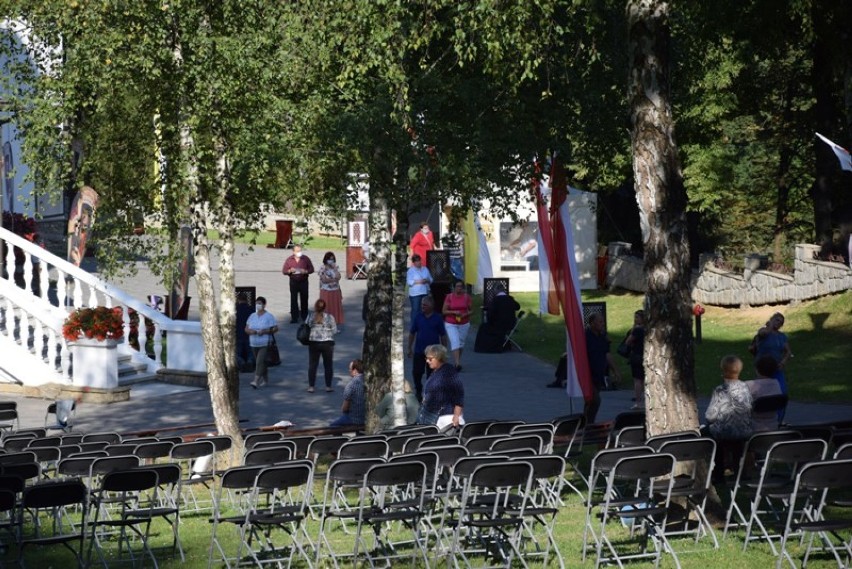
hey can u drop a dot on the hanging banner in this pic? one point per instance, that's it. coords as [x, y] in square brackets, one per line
[80, 223]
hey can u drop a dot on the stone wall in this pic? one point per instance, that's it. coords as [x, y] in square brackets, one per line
[755, 286]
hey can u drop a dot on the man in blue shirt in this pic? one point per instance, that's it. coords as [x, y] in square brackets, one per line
[427, 328]
[354, 398]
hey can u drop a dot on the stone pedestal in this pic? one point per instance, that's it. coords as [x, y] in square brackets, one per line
[95, 363]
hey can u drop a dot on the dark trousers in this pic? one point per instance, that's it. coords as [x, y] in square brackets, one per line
[418, 366]
[298, 295]
[590, 409]
[315, 350]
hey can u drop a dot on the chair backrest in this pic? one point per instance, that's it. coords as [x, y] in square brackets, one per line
[7, 405]
[502, 427]
[220, 442]
[68, 450]
[17, 457]
[657, 441]
[105, 465]
[302, 444]
[363, 449]
[325, 446]
[474, 429]
[193, 450]
[153, 450]
[23, 470]
[844, 452]
[438, 442]
[822, 475]
[135, 480]
[528, 441]
[628, 419]
[69, 439]
[414, 443]
[240, 477]
[120, 449]
[92, 446]
[268, 456]
[17, 443]
[252, 439]
[629, 436]
[769, 403]
[797, 452]
[55, 494]
[351, 470]
[449, 455]
[482, 444]
[45, 442]
[286, 476]
[107, 437]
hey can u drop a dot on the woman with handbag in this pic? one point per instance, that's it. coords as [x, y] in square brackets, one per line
[323, 328]
[457, 309]
[329, 277]
[443, 394]
[260, 328]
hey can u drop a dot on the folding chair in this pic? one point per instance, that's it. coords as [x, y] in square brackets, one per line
[47, 498]
[325, 446]
[628, 436]
[337, 508]
[602, 465]
[63, 411]
[509, 340]
[647, 507]
[441, 442]
[694, 457]
[543, 430]
[844, 452]
[239, 480]
[44, 442]
[771, 497]
[148, 453]
[816, 485]
[544, 504]
[491, 514]
[17, 442]
[568, 434]
[9, 417]
[414, 443]
[194, 459]
[302, 443]
[125, 487]
[755, 450]
[289, 487]
[474, 429]
[165, 502]
[391, 493]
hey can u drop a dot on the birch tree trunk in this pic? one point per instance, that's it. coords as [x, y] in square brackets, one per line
[378, 329]
[397, 386]
[669, 357]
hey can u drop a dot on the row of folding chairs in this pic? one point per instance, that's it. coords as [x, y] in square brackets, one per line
[767, 499]
[636, 483]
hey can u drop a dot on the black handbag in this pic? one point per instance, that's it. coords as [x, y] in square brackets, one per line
[623, 349]
[303, 334]
[273, 357]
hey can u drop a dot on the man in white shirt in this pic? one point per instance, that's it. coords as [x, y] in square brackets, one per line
[418, 280]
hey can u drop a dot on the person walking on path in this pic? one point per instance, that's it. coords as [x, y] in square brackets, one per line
[600, 362]
[298, 267]
[418, 279]
[636, 342]
[323, 328]
[426, 329]
[354, 398]
[329, 277]
[457, 309]
[443, 395]
[422, 241]
[771, 341]
[260, 327]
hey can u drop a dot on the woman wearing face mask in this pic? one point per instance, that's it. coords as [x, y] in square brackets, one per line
[260, 327]
[329, 276]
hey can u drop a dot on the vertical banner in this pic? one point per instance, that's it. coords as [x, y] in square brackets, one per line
[80, 223]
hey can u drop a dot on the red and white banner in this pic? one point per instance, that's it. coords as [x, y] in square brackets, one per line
[560, 286]
[841, 153]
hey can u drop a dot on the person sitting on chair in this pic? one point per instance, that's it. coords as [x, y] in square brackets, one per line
[500, 319]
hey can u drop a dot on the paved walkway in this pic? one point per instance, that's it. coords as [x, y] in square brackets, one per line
[505, 386]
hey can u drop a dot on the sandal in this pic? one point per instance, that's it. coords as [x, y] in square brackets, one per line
[310, 390]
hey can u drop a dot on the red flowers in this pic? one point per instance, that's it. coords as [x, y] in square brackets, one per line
[100, 323]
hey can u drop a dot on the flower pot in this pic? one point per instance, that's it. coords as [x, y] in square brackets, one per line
[95, 363]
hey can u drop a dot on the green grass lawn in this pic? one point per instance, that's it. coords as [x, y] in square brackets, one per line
[820, 334]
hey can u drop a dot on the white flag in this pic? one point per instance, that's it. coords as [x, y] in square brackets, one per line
[841, 153]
